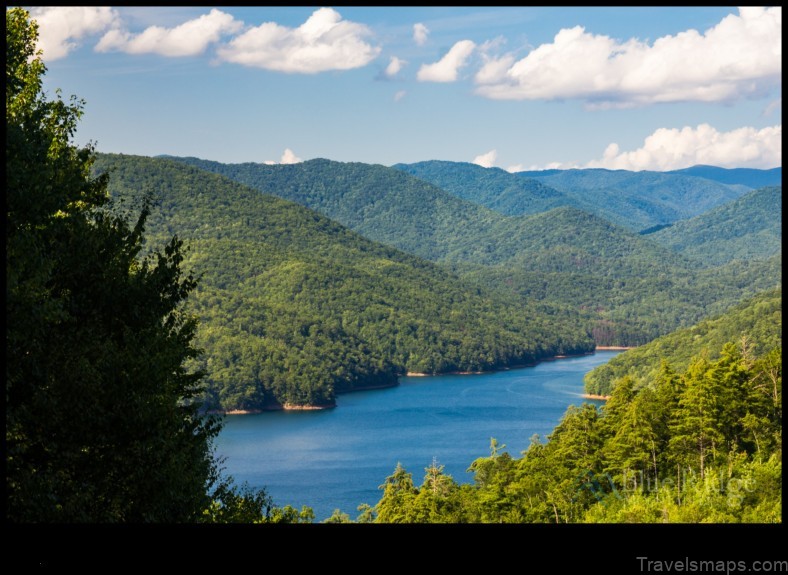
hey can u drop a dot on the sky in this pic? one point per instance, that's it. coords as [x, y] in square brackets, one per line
[520, 88]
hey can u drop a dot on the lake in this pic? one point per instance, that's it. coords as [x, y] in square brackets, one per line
[337, 458]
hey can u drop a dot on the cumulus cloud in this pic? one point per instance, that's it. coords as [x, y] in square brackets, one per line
[188, 39]
[739, 57]
[672, 149]
[486, 160]
[446, 69]
[324, 42]
[394, 67]
[420, 33]
[399, 95]
[515, 168]
[60, 27]
[288, 157]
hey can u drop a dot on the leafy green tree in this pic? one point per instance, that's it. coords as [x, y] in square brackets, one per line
[338, 517]
[696, 429]
[101, 422]
[399, 493]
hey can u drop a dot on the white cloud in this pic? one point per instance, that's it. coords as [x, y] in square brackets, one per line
[739, 57]
[60, 27]
[188, 39]
[515, 168]
[324, 42]
[394, 67]
[420, 33]
[672, 149]
[399, 95]
[445, 69]
[486, 160]
[288, 157]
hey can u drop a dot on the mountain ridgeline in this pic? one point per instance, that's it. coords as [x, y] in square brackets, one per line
[749, 228]
[627, 288]
[634, 200]
[295, 308]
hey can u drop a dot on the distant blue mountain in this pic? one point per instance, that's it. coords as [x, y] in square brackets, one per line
[745, 176]
[635, 200]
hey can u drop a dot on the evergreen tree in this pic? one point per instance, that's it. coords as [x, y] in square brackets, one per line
[101, 422]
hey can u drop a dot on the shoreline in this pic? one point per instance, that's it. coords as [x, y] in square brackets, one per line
[291, 407]
[594, 396]
[615, 347]
[285, 407]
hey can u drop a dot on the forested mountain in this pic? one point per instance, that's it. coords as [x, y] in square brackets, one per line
[493, 188]
[294, 307]
[380, 203]
[758, 321]
[744, 229]
[639, 200]
[634, 309]
[749, 177]
[628, 289]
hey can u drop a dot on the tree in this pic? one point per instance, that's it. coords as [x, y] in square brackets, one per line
[101, 418]
[399, 493]
[696, 426]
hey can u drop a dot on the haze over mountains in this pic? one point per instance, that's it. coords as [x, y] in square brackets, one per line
[635, 200]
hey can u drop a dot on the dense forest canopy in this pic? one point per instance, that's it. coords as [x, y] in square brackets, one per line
[101, 419]
[629, 288]
[749, 228]
[756, 324]
[295, 308]
[634, 200]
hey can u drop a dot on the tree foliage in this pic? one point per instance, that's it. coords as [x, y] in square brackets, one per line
[101, 422]
[702, 445]
[295, 308]
[628, 288]
[758, 320]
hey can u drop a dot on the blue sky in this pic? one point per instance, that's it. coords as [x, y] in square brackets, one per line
[517, 88]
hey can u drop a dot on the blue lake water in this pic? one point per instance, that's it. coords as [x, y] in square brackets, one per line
[337, 458]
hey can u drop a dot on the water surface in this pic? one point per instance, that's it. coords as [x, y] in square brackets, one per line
[337, 458]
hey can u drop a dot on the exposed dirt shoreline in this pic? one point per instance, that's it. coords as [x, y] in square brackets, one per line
[292, 407]
[594, 396]
[615, 347]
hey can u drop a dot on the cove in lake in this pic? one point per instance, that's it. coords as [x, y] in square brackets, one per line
[337, 458]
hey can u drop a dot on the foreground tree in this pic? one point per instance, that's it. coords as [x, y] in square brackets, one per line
[101, 422]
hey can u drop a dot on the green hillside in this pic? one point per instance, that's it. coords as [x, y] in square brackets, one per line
[759, 319]
[638, 200]
[391, 207]
[493, 188]
[295, 308]
[628, 289]
[633, 310]
[750, 177]
[380, 203]
[744, 229]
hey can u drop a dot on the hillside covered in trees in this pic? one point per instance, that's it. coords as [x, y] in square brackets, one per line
[748, 228]
[628, 288]
[755, 324]
[295, 308]
[634, 200]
